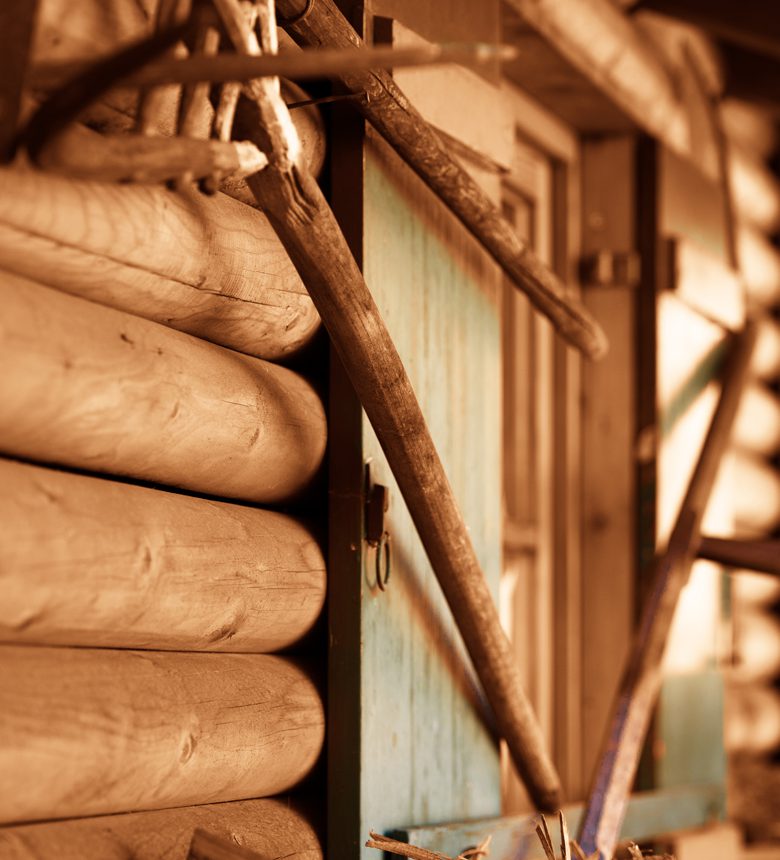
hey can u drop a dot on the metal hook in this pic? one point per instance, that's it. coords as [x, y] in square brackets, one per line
[383, 549]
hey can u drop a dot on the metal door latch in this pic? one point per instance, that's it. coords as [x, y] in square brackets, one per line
[377, 537]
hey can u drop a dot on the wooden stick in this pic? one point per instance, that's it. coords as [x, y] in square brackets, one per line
[111, 565]
[82, 154]
[94, 388]
[308, 229]
[208, 266]
[402, 849]
[271, 827]
[760, 555]
[388, 110]
[296, 65]
[642, 678]
[87, 732]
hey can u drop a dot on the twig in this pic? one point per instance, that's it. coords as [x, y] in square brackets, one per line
[403, 849]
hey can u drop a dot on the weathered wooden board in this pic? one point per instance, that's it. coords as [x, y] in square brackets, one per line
[205, 265]
[85, 732]
[98, 389]
[274, 828]
[649, 814]
[426, 750]
[90, 562]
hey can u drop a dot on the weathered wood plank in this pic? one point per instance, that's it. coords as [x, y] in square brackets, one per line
[442, 761]
[84, 561]
[650, 814]
[273, 827]
[205, 265]
[84, 732]
[98, 389]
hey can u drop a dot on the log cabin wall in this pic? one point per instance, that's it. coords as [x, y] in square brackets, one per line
[155, 465]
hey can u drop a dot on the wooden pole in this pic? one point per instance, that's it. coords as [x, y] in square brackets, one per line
[98, 563]
[271, 827]
[94, 388]
[86, 732]
[308, 229]
[299, 65]
[387, 109]
[760, 555]
[205, 265]
[642, 677]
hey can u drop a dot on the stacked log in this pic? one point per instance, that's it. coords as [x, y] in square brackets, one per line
[120, 731]
[97, 389]
[142, 424]
[98, 563]
[209, 266]
[272, 828]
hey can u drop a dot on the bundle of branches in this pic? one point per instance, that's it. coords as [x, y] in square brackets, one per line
[570, 849]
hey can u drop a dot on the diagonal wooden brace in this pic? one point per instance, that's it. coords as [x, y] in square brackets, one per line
[295, 206]
[642, 676]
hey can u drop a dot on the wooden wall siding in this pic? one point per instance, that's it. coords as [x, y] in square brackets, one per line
[85, 732]
[205, 265]
[273, 828]
[98, 389]
[92, 562]
[427, 753]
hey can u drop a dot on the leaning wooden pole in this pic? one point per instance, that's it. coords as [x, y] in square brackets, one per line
[308, 229]
[385, 106]
[642, 677]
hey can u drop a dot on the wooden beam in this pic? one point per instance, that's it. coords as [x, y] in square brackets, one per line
[86, 732]
[642, 676]
[94, 388]
[276, 827]
[387, 109]
[111, 565]
[599, 40]
[205, 265]
[749, 23]
[760, 555]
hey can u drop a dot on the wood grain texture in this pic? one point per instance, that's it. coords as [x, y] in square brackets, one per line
[274, 828]
[207, 266]
[85, 732]
[98, 389]
[84, 561]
